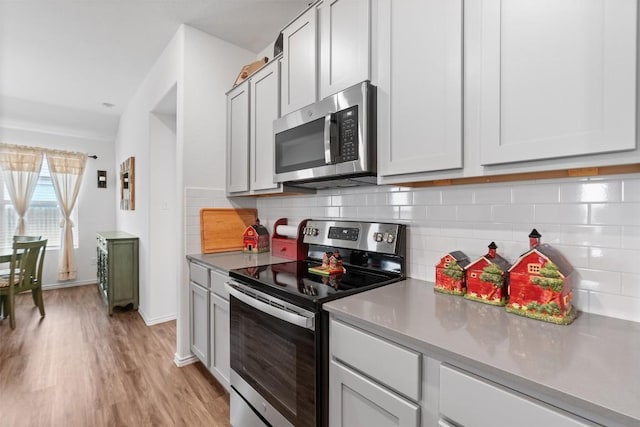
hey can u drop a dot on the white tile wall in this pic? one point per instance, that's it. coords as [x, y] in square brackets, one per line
[595, 222]
[198, 198]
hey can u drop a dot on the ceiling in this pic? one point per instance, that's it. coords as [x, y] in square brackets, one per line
[60, 60]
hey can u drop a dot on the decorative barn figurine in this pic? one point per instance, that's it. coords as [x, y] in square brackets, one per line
[540, 284]
[255, 238]
[487, 278]
[450, 273]
[331, 265]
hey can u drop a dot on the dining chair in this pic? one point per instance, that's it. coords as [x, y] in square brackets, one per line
[25, 274]
[16, 238]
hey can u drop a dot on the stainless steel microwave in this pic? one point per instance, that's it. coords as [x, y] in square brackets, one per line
[330, 143]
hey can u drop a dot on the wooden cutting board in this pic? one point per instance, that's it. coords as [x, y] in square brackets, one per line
[221, 229]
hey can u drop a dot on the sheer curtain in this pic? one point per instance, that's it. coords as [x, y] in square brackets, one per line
[20, 168]
[66, 170]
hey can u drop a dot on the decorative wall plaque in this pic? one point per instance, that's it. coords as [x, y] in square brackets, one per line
[127, 185]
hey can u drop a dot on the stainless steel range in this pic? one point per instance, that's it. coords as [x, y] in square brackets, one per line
[279, 332]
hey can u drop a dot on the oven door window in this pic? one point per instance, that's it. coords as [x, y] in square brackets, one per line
[277, 359]
[301, 147]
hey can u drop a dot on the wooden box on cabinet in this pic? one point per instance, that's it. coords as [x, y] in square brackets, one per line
[117, 258]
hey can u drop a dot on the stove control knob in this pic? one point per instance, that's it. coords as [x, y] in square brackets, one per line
[390, 238]
[314, 231]
[379, 237]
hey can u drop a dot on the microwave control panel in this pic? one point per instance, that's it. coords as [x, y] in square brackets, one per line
[347, 121]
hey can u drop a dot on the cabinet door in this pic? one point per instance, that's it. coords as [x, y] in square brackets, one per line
[220, 343]
[299, 69]
[123, 270]
[557, 77]
[199, 322]
[356, 401]
[265, 100]
[345, 27]
[238, 139]
[420, 86]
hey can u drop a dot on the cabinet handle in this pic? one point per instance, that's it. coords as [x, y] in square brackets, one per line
[327, 139]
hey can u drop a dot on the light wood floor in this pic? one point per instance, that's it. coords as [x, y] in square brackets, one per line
[79, 367]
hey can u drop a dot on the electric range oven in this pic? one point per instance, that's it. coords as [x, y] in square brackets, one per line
[279, 332]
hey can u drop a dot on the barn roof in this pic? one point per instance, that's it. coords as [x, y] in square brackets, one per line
[552, 254]
[260, 230]
[461, 258]
[498, 260]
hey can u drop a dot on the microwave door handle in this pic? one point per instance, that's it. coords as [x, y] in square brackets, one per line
[327, 139]
[287, 316]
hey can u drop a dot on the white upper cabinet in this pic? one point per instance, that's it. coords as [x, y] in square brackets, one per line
[299, 66]
[264, 110]
[420, 86]
[238, 139]
[345, 28]
[251, 109]
[557, 78]
[325, 50]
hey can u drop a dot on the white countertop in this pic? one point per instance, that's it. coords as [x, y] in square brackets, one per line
[593, 363]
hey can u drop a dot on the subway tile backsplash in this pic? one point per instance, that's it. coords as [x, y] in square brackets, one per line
[594, 222]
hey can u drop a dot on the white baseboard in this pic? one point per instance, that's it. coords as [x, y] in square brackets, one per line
[68, 284]
[156, 320]
[184, 361]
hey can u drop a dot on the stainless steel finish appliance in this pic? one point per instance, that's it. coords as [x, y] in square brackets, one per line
[279, 332]
[330, 143]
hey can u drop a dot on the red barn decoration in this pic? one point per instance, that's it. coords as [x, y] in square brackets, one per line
[487, 278]
[331, 264]
[255, 238]
[540, 284]
[450, 273]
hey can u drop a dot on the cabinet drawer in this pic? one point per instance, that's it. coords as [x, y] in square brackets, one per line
[388, 363]
[217, 284]
[467, 400]
[199, 274]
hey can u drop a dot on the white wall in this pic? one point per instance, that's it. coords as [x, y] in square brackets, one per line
[210, 67]
[96, 207]
[163, 211]
[202, 68]
[594, 222]
[137, 137]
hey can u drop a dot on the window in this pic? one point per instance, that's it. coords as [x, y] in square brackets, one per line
[43, 217]
[533, 268]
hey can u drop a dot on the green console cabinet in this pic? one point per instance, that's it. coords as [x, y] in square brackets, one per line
[117, 258]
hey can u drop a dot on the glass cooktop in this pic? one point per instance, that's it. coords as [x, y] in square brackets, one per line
[293, 282]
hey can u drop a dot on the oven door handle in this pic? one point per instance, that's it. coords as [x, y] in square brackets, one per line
[304, 321]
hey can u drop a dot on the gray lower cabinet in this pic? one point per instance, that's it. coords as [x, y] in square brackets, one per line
[199, 322]
[356, 401]
[220, 350]
[363, 389]
[209, 320]
[374, 381]
[117, 259]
